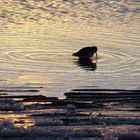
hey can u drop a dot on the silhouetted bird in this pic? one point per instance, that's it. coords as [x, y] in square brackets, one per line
[86, 52]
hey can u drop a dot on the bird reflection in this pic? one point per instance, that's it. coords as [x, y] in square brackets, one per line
[86, 64]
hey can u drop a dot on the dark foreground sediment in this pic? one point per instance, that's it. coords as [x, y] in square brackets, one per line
[84, 114]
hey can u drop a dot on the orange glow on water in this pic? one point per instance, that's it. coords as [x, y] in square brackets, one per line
[42, 103]
[18, 120]
[32, 79]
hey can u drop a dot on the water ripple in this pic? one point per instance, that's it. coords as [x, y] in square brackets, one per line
[19, 12]
[120, 61]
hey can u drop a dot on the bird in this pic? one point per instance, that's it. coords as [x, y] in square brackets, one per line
[86, 52]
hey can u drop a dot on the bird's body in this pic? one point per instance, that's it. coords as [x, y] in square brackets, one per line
[86, 52]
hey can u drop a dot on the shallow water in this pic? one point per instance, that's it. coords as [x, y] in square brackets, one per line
[37, 38]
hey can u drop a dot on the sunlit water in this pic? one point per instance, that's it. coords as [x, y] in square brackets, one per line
[38, 37]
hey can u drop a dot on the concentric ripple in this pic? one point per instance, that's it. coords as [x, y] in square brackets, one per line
[120, 61]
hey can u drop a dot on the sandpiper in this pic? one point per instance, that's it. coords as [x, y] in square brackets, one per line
[86, 52]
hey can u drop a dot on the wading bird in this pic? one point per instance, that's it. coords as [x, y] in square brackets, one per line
[86, 52]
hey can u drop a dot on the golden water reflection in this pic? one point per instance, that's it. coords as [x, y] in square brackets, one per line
[18, 120]
[42, 103]
[32, 79]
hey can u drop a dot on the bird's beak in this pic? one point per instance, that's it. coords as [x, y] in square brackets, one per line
[96, 55]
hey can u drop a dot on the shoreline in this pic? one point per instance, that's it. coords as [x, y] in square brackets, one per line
[82, 114]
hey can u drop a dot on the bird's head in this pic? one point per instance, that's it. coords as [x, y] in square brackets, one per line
[95, 49]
